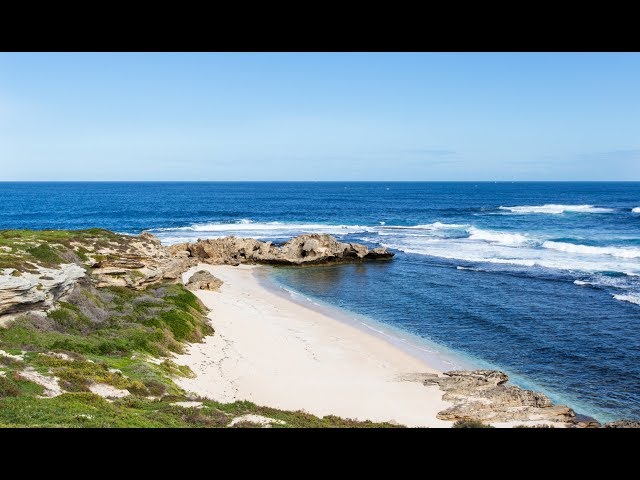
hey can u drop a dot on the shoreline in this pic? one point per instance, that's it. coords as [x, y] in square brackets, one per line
[435, 356]
[274, 351]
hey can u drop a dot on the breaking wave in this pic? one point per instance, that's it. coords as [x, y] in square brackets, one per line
[620, 252]
[556, 209]
[507, 239]
[628, 298]
[451, 241]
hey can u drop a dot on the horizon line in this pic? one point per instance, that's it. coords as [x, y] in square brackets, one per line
[319, 181]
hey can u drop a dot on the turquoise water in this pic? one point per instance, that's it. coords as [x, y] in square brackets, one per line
[541, 280]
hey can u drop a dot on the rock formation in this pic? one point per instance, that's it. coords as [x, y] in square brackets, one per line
[203, 280]
[623, 424]
[143, 262]
[311, 249]
[48, 264]
[108, 259]
[27, 291]
[483, 395]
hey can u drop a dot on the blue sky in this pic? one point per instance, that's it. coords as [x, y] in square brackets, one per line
[319, 116]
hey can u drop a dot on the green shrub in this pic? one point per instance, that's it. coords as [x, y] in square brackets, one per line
[45, 254]
[470, 423]
[8, 388]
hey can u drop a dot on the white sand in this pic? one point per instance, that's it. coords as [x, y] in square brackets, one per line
[279, 353]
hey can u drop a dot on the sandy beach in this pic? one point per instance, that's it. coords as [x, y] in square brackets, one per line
[277, 352]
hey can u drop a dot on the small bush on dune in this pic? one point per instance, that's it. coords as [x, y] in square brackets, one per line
[8, 388]
[470, 423]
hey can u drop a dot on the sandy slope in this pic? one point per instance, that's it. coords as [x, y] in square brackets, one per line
[277, 352]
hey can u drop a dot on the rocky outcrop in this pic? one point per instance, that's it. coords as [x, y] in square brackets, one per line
[108, 260]
[623, 424]
[483, 395]
[311, 249]
[203, 280]
[47, 265]
[36, 291]
[144, 262]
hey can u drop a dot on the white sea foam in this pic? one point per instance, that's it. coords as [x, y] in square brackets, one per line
[468, 268]
[427, 226]
[628, 298]
[581, 283]
[501, 238]
[248, 225]
[636, 210]
[453, 241]
[556, 209]
[248, 228]
[620, 252]
[261, 230]
[527, 254]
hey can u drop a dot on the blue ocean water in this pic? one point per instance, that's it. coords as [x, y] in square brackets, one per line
[541, 280]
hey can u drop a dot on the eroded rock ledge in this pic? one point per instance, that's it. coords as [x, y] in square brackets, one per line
[483, 395]
[311, 249]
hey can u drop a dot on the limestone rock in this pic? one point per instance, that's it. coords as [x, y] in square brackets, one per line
[36, 291]
[145, 262]
[623, 424]
[310, 249]
[587, 424]
[203, 280]
[483, 395]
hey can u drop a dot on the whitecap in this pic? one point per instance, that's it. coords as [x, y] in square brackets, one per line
[628, 298]
[620, 252]
[507, 239]
[556, 209]
[636, 210]
[427, 226]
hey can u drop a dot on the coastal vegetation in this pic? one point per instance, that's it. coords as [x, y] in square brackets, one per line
[470, 423]
[24, 250]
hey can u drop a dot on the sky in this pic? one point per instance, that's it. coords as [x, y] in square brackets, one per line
[319, 116]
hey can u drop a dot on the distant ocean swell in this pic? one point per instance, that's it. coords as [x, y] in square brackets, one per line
[495, 249]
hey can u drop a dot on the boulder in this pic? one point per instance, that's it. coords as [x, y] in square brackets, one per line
[203, 280]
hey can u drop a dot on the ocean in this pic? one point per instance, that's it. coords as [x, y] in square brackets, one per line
[540, 280]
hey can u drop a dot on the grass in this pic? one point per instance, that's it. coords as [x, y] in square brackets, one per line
[44, 255]
[8, 388]
[110, 329]
[50, 248]
[90, 410]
